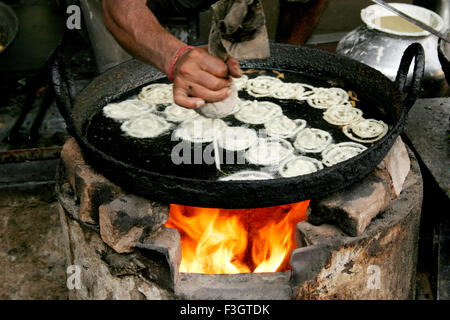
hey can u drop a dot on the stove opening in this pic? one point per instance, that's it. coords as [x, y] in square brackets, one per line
[230, 241]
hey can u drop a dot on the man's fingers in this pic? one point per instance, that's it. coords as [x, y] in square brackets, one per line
[199, 59]
[234, 67]
[194, 96]
[181, 98]
[213, 65]
[209, 95]
[211, 82]
[201, 77]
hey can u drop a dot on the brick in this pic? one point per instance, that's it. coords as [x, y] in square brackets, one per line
[307, 262]
[71, 156]
[398, 165]
[354, 208]
[165, 242]
[311, 235]
[93, 190]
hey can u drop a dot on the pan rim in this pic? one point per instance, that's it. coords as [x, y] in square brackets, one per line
[384, 144]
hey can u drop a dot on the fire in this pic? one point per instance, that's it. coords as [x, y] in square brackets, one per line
[228, 241]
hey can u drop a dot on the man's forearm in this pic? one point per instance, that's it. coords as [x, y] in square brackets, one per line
[139, 32]
[198, 77]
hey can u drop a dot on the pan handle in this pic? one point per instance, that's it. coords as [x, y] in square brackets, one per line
[417, 52]
[63, 88]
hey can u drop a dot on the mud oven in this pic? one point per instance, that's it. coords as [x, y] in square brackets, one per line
[359, 243]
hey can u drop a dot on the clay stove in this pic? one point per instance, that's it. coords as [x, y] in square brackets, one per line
[359, 243]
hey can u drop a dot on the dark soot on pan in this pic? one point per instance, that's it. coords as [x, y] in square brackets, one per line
[155, 154]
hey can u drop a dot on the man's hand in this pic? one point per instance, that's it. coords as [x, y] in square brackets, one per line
[200, 77]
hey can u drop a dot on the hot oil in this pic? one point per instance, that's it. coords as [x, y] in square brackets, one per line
[396, 23]
[155, 154]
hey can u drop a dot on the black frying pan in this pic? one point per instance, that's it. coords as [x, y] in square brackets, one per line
[372, 87]
[9, 26]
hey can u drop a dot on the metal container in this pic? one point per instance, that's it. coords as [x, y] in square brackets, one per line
[108, 53]
[9, 26]
[382, 48]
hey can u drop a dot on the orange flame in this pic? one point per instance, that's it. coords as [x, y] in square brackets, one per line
[229, 241]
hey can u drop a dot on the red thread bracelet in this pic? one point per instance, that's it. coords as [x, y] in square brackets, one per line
[175, 59]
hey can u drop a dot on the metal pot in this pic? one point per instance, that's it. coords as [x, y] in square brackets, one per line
[382, 48]
[389, 99]
[9, 26]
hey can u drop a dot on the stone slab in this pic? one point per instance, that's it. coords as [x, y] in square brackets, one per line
[428, 129]
[244, 286]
